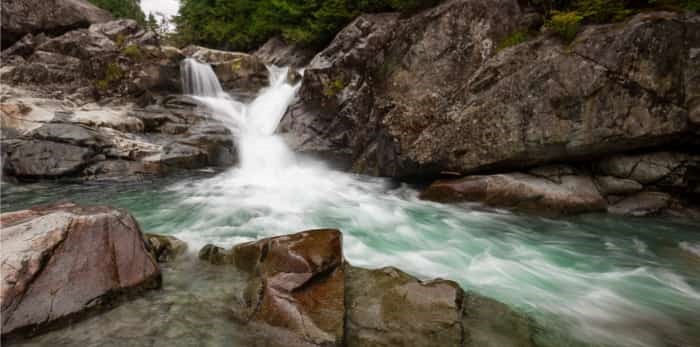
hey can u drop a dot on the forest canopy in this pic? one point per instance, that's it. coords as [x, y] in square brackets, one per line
[122, 8]
[243, 25]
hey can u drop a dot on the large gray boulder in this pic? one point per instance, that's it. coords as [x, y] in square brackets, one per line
[52, 17]
[392, 96]
[62, 261]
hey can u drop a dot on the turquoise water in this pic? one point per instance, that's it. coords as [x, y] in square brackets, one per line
[599, 279]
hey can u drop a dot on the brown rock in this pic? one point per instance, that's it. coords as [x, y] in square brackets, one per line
[574, 194]
[297, 284]
[165, 248]
[60, 261]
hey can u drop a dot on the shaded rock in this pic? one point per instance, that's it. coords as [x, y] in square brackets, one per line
[659, 168]
[236, 71]
[24, 47]
[642, 204]
[575, 194]
[609, 185]
[165, 248]
[390, 96]
[216, 255]
[53, 17]
[60, 261]
[278, 52]
[44, 159]
[387, 307]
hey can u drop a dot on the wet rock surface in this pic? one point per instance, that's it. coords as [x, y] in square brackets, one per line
[65, 260]
[652, 183]
[300, 292]
[165, 248]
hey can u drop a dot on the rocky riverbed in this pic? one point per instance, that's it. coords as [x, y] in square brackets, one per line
[542, 194]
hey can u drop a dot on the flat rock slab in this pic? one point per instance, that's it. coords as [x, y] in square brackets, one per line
[60, 261]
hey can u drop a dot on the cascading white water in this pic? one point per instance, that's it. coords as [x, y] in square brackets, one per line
[199, 79]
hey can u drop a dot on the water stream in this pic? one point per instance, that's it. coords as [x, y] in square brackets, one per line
[590, 280]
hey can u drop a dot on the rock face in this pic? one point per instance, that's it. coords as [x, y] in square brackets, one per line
[112, 59]
[61, 261]
[302, 290]
[237, 72]
[391, 96]
[44, 138]
[53, 17]
[278, 52]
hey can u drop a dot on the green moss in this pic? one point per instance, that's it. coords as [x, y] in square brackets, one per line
[112, 73]
[513, 39]
[119, 40]
[334, 87]
[565, 24]
[602, 11]
[133, 52]
[237, 64]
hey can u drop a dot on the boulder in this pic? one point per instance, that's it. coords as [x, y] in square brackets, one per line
[60, 262]
[573, 194]
[670, 169]
[390, 96]
[165, 248]
[52, 17]
[237, 72]
[609, 185]
[297, 284]
[387, 307]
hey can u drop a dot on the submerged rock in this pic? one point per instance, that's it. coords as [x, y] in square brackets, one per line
[165, 248]
[301, 292]
[62, 261]
[573, 194]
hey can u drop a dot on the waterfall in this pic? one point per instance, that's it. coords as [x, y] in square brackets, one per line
[199, 79]
[261, 152]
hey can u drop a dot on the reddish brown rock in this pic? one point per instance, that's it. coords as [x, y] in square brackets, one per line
[573, 194]
[296, 287]
[61, 261]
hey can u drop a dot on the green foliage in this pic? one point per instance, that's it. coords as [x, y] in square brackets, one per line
[133, 52]
[113, 73]
[513, 39]
[334, 87]
[122, 8]
[602, 11]
[565, 24]
[120, 40]
[245, 24]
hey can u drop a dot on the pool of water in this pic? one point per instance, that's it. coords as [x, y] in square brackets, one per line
[590, 280]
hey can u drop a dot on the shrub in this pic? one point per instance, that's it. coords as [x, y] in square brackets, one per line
[565, 24]
[513, 39]
[112, 73]
[334, 87]
[602, 11]
[133, 52]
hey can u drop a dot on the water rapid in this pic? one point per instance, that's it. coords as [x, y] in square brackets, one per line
[591, 280]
